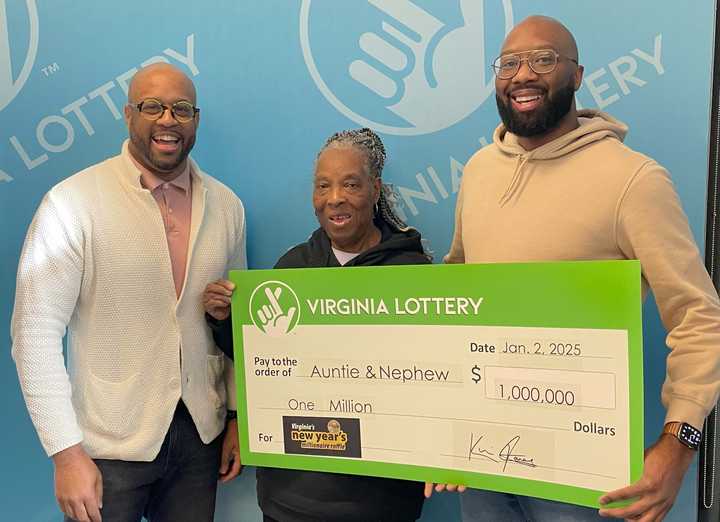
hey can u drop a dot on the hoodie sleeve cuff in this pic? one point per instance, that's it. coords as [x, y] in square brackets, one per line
[683, 410]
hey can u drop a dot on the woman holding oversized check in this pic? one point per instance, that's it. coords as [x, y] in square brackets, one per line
[358, 227]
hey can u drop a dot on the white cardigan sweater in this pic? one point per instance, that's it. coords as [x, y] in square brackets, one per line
[96, 261]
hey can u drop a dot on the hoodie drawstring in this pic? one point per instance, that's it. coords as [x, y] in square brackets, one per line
[516, 180]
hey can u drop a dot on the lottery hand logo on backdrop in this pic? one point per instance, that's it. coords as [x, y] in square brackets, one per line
[274, 308]
[16, 47]
[437, 66]
[429, 73]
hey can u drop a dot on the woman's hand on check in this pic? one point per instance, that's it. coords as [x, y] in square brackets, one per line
[216, 299]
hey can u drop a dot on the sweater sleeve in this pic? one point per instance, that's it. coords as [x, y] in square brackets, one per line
[223, 333]
[652, 227]
[48, 285]
[457, 250]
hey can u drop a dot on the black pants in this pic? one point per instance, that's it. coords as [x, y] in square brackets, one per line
[270, 519]
[178, 486]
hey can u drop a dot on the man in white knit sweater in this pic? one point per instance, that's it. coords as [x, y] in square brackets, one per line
[119, 255]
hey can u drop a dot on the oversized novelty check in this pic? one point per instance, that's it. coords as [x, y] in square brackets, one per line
[523, 378]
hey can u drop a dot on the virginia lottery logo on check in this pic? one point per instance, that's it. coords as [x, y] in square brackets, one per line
[274, 308]
[327, 436]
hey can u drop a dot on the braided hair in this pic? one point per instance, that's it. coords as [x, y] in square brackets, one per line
[369, 144]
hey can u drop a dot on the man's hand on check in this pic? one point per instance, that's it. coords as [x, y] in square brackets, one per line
[429, 486]
[666, 462]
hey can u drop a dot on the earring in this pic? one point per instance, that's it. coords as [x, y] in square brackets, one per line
[377, 210]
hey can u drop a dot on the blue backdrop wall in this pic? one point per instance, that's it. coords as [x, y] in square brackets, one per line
[275, 78]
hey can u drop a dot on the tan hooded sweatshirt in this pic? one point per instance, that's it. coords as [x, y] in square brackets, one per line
[586, 196]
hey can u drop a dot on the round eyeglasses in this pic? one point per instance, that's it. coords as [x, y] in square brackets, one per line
[152, 109]
[541, 61]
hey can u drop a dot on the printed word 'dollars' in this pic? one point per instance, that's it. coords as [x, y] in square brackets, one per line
[398, 306]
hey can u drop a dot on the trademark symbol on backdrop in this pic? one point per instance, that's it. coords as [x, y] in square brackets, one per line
[51, 69]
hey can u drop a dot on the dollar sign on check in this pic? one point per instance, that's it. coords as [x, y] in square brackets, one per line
[476, 374]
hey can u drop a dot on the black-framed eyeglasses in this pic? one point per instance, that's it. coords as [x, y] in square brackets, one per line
[541, 61]
[153, 109]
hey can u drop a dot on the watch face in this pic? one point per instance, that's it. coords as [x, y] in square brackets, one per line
[690, 435]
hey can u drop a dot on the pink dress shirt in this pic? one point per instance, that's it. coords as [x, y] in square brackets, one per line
[174, 198]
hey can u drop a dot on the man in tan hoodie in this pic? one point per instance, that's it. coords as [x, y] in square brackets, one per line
[558, 184]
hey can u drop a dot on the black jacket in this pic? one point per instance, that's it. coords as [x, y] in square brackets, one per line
[395, 248]
[308, 496]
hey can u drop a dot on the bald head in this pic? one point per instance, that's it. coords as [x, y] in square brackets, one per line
[150, 78]
[541, 32]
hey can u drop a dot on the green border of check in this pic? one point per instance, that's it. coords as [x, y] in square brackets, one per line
[568, 294]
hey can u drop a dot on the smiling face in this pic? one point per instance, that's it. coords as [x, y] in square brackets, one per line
[344, 196]
[539, 105]
[162, 145]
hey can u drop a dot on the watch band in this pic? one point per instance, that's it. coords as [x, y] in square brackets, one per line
[673, 428]
[686, 434]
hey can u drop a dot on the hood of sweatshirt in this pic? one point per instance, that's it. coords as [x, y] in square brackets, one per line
[594, 126]
[393, 243]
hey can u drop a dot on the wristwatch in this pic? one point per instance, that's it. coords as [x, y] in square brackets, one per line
[685, 433]
[231, 414]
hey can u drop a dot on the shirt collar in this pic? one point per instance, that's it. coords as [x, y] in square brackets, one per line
[150, 181]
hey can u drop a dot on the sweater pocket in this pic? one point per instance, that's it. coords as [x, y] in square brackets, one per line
[113, 409]
[215, 382]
